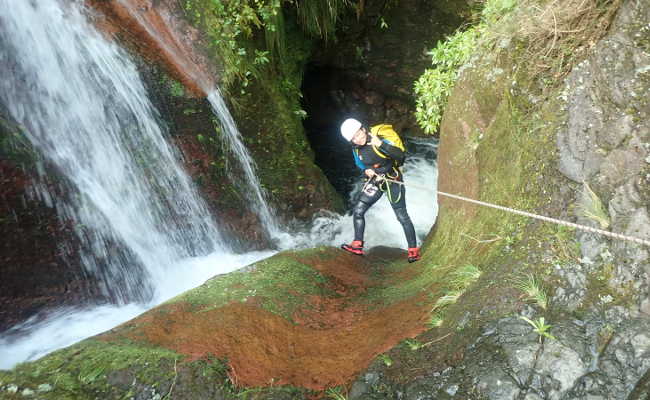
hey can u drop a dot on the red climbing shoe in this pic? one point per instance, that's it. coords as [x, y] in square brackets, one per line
[356, 247]
[414, 254]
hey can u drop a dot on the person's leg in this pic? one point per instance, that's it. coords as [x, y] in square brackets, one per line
[403, 217]
[399, 207]
[366, 199]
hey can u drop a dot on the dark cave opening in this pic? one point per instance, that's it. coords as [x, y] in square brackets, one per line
[324, 98]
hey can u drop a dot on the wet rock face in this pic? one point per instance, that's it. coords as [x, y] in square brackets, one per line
[39, 265]
[587, 361]
[606, 143]
[157, 31]
[600, 308]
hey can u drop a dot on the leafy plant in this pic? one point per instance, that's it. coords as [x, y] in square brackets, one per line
[434, 86]
[413, 344]
[540, 327]
[592, 207]
[494, 10]
[533, 290]
[336, 393]
[385, 358]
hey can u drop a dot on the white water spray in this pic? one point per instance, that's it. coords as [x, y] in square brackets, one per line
[382, 227]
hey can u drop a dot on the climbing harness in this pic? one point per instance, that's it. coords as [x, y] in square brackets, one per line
[535, 216]
[386, 187]
[380, 182]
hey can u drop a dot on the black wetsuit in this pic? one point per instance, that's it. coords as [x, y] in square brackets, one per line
[367, 157]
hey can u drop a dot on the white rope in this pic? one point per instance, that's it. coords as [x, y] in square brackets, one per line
[531, 215]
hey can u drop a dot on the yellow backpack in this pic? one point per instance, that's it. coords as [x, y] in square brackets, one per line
[386, 131]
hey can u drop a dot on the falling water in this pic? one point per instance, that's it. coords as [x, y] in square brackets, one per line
[257, 196]
[86, 112]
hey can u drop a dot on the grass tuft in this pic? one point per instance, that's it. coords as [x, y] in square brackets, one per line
[593, 208]
[466, 275]
[449, 298]
[336, 393]
[435, 321]
[561, 31]
[533, 290]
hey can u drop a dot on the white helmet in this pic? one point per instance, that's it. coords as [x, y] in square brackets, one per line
[349, 127]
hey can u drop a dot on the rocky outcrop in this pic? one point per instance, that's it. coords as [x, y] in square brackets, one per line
[597, 315]
[158, 33]
[606, 144]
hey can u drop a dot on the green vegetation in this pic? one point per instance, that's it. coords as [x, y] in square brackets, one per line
[435, 85]
[83, 372]
[553, 34]
[250, 36]
[336, 393]
[385, 358]
[262, 46]
[593, 208]
[533, 290]
[413, 344]
[448, 57]
[96, 369]
[540, 327]
[281, 282]
[435, 321]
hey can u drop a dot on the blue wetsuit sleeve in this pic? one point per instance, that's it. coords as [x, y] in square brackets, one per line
[358, 162]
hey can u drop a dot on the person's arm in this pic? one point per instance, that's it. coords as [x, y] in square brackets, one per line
[391, 151]
[358, 162]
[387, 148]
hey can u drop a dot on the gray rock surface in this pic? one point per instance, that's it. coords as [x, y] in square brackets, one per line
[602, 352]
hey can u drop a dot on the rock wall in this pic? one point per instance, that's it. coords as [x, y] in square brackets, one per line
[36, 271]
[378, 54]
[605, 143]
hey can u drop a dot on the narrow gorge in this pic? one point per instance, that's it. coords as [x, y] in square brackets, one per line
[175, 190]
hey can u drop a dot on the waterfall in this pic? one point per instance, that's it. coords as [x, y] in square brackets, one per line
[256, 195]
[86, 112]
[145, 232]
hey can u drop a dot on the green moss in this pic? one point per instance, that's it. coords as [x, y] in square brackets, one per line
[82, 371]
[263, 50]
[14, 145]
[280, 282]
[96, 369]
[174, 87]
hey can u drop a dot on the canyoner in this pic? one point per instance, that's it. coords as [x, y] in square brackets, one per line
[379, 152]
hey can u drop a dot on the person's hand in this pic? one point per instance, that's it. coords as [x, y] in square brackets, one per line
[369, 173]
[375, 141]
